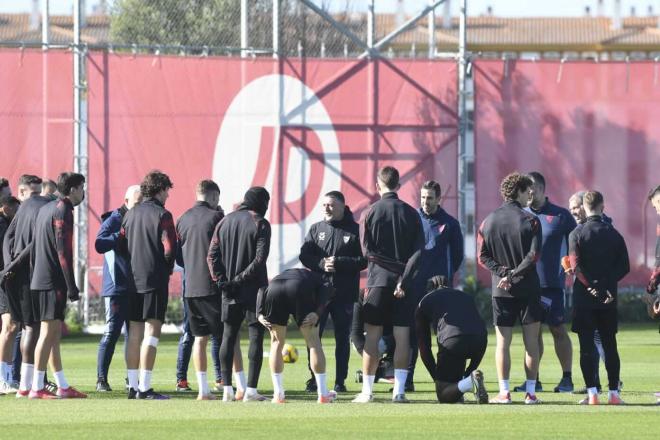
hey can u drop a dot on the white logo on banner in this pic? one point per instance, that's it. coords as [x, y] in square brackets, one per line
[266, 105]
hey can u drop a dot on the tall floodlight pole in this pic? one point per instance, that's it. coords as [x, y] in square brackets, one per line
[463, 159]
[80, 157]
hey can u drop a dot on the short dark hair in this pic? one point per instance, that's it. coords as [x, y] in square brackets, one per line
[336, 195]
[207, 186]
[155, 182]
[655, 191]
[513, 184]
[537, 178]
[67, 181]
[9, 201]
[4, 183]
[29, 179]
[389, 176]
[592, 199]
[435, 186]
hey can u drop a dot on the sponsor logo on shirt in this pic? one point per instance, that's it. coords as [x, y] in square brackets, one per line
[346, 238]
[321, 236]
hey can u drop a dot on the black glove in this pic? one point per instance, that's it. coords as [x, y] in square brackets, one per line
[74, 295]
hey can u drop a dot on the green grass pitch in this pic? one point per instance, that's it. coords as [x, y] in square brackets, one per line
[112, 416]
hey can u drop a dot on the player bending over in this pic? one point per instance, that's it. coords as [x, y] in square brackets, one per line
[303, 294]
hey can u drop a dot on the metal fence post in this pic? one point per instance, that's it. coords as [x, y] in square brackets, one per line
[431, 30]
[244, 28]
[80, 156]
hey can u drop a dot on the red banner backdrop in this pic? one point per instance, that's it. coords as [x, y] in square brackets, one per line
[583, 125]
[36, 112]
[299, 127]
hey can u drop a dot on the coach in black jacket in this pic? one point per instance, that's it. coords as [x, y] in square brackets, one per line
[599, 259]
[237, 263]
[332, 248]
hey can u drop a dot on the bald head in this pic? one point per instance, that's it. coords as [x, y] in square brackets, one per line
[133, 196]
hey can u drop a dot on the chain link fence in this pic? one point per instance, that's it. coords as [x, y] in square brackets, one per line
[213, 27]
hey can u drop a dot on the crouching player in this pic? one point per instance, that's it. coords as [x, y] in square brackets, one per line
[303, 294]
[461, 335]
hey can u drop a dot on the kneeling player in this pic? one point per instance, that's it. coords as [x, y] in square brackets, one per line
[461, 336]
[303, 294]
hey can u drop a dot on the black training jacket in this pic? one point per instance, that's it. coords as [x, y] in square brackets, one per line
[510, 242]
[194, 231]
[391, 233]
[340, 239]
[599, 258]
[237, 256]
[149, 238]
[18, 238]
[52, 252]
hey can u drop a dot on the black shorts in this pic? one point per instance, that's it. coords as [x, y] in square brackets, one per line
[51, 304]
[204, 315]
[507, 311]
[606, 321]
[380, 307]
[283, 299]
[20, 301]
[235, 313]
[454, 353]
[8, 304]
[148, 306]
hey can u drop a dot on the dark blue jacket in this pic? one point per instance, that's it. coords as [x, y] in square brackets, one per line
[556, 225]
[116, 268]
[443, 241]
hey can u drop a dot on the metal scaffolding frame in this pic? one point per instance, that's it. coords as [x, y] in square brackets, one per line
[371, 49]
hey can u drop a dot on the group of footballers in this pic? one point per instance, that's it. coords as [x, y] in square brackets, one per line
[411, 256]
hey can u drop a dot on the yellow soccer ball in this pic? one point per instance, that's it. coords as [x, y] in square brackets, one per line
[289, 354]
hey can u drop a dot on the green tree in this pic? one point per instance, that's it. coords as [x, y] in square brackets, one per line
[216, 23]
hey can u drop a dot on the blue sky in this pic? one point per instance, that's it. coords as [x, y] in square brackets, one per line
[516, 8]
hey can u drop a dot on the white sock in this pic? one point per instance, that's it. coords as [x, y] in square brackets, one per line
[613, 393]
[4, 371]
[593, 391]
[504, 386]
[278, 387]
[400, 376]
[239, 378]
[27, 373]
[530, 387]
[38, 380]
[203, 383]
[465, 385]
[368, 384]
[321, 384]
[227, 393]
[133, 380]
[60, 380]
[145, 380]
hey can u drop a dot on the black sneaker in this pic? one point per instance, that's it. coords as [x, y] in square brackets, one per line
[103, 386]
[132, 394]
[340, 388]
[478, 387]
[523, 387]
[150, 394]
[50, 386]
[310, 385]
[565, 385]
